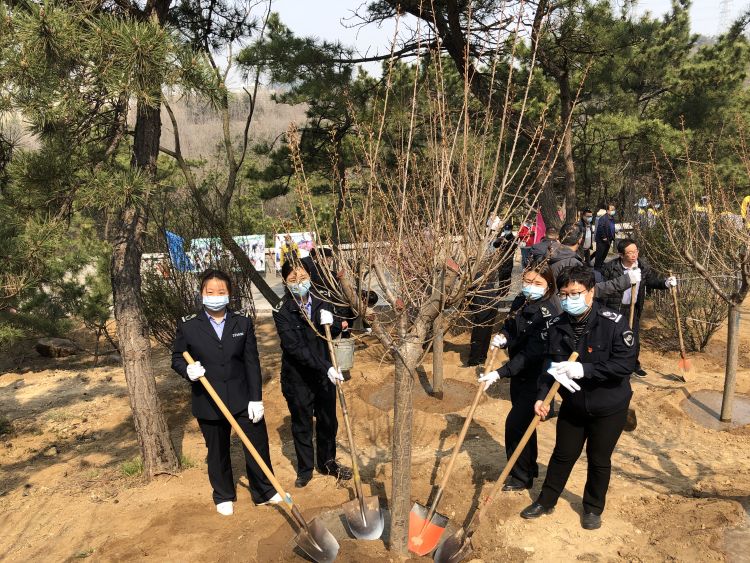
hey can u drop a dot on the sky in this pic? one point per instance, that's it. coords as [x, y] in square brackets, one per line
[334, 20]
[327, 19]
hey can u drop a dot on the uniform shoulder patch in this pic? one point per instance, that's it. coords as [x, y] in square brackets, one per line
[552, 321]
[628, 338]
[611, 315]
[187, 318]
[279, 305]
[243, 313]
[545, 311]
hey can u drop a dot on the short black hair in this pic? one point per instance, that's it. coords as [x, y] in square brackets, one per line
[586, 210]
[570, 234]
[551, 232]
[321, 251]
[581, 274]
[289, 266]
[624, 243]
[212, 274]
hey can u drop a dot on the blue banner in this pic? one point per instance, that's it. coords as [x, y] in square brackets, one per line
[177, 252]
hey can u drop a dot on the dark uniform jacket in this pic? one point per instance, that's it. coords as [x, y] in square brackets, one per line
[304, 349]
[565, 257]
[608, 354]
[520, 328]
[649, 279]
[232, 364]
[605, 229]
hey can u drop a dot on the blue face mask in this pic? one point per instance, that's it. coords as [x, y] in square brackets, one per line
[215, 302]
[589, 219]
[532, 292]
[300, 289]
[575, 306]
[612, 213]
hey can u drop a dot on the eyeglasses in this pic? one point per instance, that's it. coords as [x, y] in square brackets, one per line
[574, 295]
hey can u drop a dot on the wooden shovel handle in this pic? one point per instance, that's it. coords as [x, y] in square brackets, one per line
[245, 440]
[632, 305]
[347, 422]
[517, 452]
[491, 359]
[673, 291]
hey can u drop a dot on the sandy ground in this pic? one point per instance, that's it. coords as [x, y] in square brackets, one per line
[677, 491]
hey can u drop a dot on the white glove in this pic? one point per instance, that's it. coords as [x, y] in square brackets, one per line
[671, 282]
[335, 375]
[255, 411]
[499, 341]
[488, 379]
[635, 276]
[521, 245]
[195, 371]
[326, 317]
[563, 379]
[573, 370]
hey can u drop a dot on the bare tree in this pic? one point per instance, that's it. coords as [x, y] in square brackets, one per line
[419, 201]
[703, 232]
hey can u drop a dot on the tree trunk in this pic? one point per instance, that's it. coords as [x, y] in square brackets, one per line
[566, 111]
[733, 349]
[403, 422]
[339, 181]
[437, 357]
[132, 328]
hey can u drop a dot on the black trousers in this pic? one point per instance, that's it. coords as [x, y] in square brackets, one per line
[602, 249]
[600, 434]
[216, 434]
[522, 399]
[308, 400]
[586, 252]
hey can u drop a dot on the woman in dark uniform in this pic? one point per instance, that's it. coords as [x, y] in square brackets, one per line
[223, 344]
[532, 308]
[595, 391]
[307, 375]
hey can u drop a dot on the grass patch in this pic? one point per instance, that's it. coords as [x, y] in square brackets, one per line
[5, 426]
[84, 554]
[186, 462]
[132, 467]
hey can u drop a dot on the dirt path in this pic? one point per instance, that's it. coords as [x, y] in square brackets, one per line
[676, 493]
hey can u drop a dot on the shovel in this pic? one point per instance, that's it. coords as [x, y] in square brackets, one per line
[684, 363]
[363, 515]
[313, 538]
[632, 421]
[427, 526]
[458, 546]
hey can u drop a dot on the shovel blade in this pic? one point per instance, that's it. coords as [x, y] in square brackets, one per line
[455, 548]
[317, 542]
[371, 526]
[423, 535]
[685, 364]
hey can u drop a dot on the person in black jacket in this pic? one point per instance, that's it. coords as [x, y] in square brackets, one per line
[307, 374]
[643, 276]
[531, 309]
[223, 344]
[595, 391]
[589, 234]
[604, 236]
[485, 302]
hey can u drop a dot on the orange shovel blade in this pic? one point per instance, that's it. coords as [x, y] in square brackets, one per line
[685, 364]
[423, 539]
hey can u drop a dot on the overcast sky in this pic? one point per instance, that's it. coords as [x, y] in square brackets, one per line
[333, 20]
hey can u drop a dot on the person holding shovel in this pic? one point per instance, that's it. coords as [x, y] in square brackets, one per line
[530, 311]
[223, 343]
[642, 276]
[595, 392]
[307, 374]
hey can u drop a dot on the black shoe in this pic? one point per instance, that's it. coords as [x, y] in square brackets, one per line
[640, 372]
[302, 481]
[513, 485]
[335, 469]
[591, 521]
[535, 510]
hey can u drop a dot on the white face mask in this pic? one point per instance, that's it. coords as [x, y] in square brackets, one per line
[215, 302]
